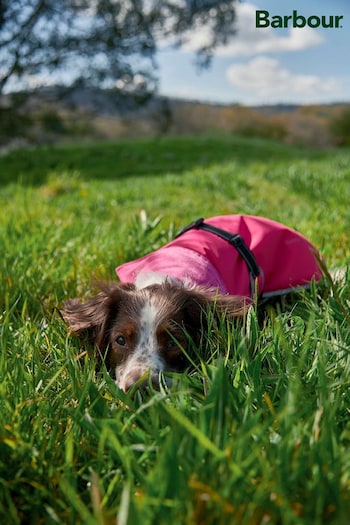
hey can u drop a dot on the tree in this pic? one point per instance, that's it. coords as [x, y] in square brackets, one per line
[109, 43]
[340, 127]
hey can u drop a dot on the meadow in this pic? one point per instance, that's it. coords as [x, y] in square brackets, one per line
[259, 433]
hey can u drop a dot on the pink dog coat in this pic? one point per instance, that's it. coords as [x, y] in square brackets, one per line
[237, 254]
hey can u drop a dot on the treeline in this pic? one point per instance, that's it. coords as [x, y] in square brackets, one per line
[50, 116]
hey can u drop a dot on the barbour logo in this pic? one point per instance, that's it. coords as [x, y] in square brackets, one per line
[263, 19]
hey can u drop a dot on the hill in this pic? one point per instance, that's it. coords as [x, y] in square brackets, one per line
[57, 114]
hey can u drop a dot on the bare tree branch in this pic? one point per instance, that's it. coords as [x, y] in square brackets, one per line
[108, 41]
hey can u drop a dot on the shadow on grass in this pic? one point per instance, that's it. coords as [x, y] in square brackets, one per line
[141, 157]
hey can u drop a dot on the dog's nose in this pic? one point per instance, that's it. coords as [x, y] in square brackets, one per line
[142, 379]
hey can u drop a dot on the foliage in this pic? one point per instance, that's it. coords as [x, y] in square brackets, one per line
[340, 126]
[309, 125]
[259, 433]
[95, 113]
[102, 42]
[13, 124]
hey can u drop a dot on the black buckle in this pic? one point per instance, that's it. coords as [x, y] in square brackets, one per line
[236, 240]
[195, 224]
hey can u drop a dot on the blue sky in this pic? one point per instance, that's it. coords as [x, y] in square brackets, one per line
[267, 66]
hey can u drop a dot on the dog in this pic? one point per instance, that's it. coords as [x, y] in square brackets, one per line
[147, 329]
[149, 322]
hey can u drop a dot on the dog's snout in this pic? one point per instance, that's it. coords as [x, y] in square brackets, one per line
[141, 378]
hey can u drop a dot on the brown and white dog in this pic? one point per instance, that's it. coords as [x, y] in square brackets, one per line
[148, 322]
[144, 330]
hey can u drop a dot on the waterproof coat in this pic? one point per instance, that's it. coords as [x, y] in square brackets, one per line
[236, 254]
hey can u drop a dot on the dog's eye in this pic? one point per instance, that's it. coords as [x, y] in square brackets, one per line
[120, 340]
[172, 344]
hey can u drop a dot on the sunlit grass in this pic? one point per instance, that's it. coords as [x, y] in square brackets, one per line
[258, 433]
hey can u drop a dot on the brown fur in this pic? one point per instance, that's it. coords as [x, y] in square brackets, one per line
[112, 317]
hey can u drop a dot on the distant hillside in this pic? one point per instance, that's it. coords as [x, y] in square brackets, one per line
[60, 114]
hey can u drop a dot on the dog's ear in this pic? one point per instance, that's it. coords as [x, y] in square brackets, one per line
[87, 318]
[91, 319]
[232, 306]
[202, 306]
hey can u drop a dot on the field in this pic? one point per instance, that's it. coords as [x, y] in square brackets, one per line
[258, 434]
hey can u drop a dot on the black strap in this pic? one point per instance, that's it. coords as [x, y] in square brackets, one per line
[234, 239]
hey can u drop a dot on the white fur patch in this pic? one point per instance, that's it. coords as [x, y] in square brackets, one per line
[145, 279]
[145, 357]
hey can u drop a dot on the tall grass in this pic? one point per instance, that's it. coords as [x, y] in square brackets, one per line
[259, 432]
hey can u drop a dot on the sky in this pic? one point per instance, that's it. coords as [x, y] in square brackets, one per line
[267, 65]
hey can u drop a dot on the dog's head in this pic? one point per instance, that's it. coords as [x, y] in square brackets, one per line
[144, 331]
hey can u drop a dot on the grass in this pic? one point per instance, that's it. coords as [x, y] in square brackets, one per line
[258, 434]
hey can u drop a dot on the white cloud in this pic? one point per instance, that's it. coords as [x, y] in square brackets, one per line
[250, 40]
[267, 81]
